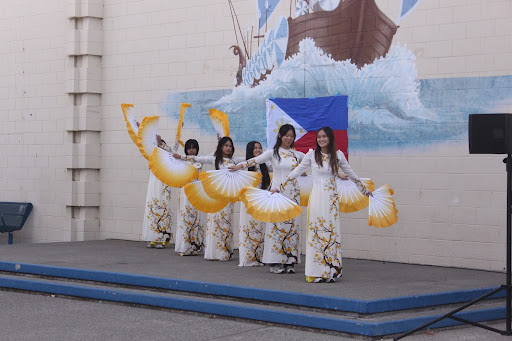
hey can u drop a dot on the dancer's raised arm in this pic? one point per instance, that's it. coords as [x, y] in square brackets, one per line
[263, 158]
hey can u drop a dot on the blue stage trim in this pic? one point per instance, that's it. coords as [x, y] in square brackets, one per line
[232, 310]
[277, 296]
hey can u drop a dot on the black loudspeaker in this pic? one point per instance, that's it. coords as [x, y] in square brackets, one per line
[490, 133]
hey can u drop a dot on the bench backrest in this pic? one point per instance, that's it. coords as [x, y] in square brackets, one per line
[13, 215]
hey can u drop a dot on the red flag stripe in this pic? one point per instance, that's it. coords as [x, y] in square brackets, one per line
[308, 141]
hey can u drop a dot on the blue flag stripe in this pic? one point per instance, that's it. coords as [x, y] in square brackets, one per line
[315, 113]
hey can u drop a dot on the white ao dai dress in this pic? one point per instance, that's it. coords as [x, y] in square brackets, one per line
[156, 227]
[323, 245]
[251, 236]
[281, 239]
[189, 228]
[218, 237]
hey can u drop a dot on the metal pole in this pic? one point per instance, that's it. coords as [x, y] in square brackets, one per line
[448, 315]
[509, 212]
[507, 287]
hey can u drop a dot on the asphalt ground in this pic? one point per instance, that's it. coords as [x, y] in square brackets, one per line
[34, 317]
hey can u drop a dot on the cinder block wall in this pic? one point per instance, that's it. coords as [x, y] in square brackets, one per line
[451, 204]
[32, 116]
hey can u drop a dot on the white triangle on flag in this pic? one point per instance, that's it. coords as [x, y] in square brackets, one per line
[276, 117]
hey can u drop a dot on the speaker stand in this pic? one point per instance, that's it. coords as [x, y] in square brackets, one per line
[506, 287]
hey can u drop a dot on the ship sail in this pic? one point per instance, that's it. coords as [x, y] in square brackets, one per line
[270, 53]
[324, 5]
[406, 7]
[265, 8]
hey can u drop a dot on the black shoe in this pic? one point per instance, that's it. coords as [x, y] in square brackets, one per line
[289, 268]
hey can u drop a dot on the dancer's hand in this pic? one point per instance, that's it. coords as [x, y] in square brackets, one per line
[367, 192]
[159, 141]
[275, 190]
[234, 168]
[176, 155]
[342, 176]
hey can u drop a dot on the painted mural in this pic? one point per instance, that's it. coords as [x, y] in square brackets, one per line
[330, 47]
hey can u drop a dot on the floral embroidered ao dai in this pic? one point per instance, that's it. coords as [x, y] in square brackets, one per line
[281, 239]
[157, 224]
[218, 237]
[323, 245]
[189, 228]
[251, 236]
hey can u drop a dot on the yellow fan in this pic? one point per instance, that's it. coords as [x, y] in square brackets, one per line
[131, 123]
[350, 196]
[224, 184]
[200, 200]
[171, 171]
[382, 211]
[305, 186]
[265, 206]
[184, 107]
[220, 122]
[146, 137]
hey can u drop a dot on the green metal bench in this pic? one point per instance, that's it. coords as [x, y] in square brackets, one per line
[13, 216]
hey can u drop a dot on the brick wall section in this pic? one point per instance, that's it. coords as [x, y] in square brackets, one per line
[32, 115]
[451, 205]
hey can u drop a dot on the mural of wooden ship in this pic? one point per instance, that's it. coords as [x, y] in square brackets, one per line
[355, 30]
[345, 29]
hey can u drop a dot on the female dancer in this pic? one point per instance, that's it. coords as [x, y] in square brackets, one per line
[281, 239]
[156, 227]
[323, 246]
[218, 241]
[252, 232]
[189, 230]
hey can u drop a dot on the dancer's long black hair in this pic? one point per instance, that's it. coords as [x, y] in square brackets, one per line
[285, 128]
[191, 144]
[249, 154]
[218, 153]
[331, 150]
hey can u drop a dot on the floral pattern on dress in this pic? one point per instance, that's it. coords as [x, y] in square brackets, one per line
[325, 238]
[218, 237]
[220, 243]
[252, 241]
[157, 224]
[192, 232]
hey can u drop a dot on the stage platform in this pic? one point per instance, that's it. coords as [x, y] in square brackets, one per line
[372, 299]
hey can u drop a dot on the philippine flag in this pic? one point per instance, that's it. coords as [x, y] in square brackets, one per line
[308, 115]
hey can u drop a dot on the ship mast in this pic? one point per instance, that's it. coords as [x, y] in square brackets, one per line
[233, 17]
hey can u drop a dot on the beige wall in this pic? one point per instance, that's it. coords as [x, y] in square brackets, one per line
[451, 205]
[32, 111]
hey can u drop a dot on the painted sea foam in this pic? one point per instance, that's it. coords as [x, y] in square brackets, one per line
[388, 106]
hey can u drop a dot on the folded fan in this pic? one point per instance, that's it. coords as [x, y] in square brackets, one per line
[350, 196]
[200, 200]
[146, 137]
[131, 123]
[305, 186]
[224, 184]
[220, 122]
[171, 171]
[265, 206]
[184, 107]
[382, 211]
